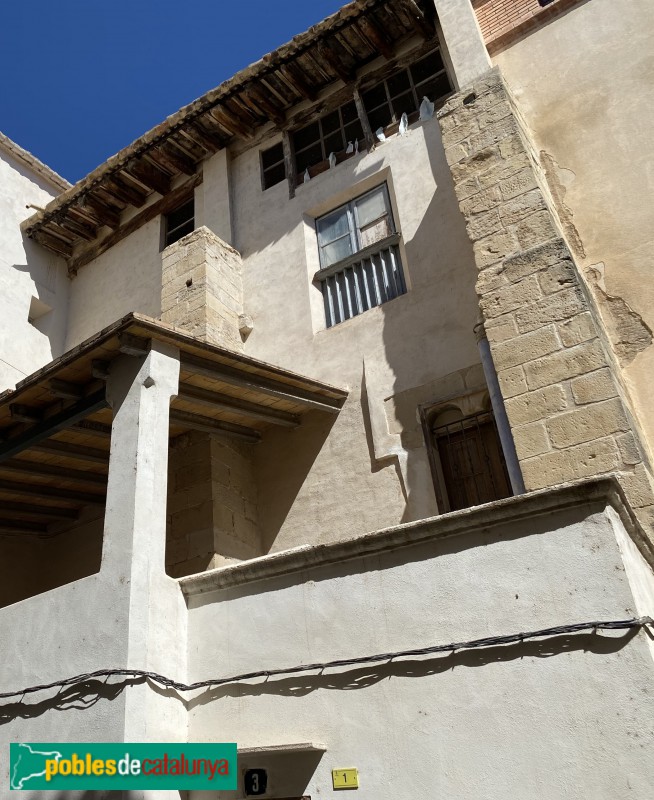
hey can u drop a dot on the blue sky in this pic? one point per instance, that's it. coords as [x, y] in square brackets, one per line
[81, 79]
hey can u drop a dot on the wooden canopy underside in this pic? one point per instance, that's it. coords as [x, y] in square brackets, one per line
[55, 428]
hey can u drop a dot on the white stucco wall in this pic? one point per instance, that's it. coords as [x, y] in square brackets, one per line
[408, 343]
[585, 84]
[26, 271]
[556, 718]
[123, 279]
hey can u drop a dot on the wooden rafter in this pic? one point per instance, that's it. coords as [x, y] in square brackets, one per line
[420, 22]
[198, 422]
[376, 37]
[257, 383]
[234, 405]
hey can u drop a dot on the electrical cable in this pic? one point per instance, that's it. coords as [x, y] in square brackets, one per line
[162, 680]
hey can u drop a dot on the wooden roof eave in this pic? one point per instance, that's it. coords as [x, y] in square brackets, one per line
[230, 112]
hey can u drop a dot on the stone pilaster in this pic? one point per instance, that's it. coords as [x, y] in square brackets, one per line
[201, 289]
[561, 386]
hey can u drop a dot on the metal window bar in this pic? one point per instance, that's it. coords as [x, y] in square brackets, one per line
[364, 284]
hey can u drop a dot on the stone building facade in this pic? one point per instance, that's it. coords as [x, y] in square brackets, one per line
[348, 357]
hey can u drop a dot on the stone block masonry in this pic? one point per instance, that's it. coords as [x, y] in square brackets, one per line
[212, 505]
[201, 289]
[560, 382]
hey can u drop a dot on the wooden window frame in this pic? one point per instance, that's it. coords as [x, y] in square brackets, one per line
[265, 170]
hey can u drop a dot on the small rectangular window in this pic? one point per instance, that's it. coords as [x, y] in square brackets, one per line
[272, 166]
[179, 222]
[353, 283]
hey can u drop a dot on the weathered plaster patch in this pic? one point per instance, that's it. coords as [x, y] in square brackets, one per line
[630, 333]
[558, 180]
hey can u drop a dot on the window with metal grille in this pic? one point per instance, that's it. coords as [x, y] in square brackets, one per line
[468, 463]
[272, 166]
[179, 222]
[336, 132]
[359, 256]
[403, 92]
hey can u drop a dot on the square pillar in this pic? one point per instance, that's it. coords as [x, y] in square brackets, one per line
[139, 389]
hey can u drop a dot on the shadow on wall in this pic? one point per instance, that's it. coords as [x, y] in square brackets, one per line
[78, 696]
[441, 292]
[368, 675]
[283, 460]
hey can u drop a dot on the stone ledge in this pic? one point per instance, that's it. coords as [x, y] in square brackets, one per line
[604, 491]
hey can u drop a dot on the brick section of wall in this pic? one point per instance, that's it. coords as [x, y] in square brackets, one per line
[562, 398]
[212, 505]
[503, 20]
[202, 290]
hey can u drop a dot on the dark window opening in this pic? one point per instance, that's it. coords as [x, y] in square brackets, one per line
[468, 463]
[402, 93]
[340, 132]
[272, 166]
[179, 222]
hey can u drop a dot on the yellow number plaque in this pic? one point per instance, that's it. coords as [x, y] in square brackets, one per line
[345, 779]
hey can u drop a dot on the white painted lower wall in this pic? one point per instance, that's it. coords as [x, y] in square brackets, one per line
[557, 718]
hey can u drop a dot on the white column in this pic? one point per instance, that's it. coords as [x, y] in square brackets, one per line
[139, 389]
[463, 39]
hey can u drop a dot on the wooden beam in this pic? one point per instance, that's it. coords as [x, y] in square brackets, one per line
[146, 173]
[363, 119]
[20, 526]
[32, 510]
[420, 22]
[259, 100]
[197, 134]
[99, 369]
[65, 389]
[162, 206]
[230, 123]
[124, 192]
[327, 54]
[23, 413]
[376, 37]
[52, 242]
[258, 383]
[79, 230]
[132, 345]
[195, 394]
[93, 428]
[101, 212]
[197, 422]
[51, 491]
[57, 422]
[74, 451]
[172, 158]
[38, 470]
[289, 163]
[297, 82]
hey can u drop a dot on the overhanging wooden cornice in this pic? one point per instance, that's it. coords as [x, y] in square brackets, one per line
[335, 49]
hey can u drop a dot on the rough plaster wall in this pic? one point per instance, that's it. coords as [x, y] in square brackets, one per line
[585, 84]
[563, 397]
[126, 278]
[406, 343]
[26, 271]
[560, 718]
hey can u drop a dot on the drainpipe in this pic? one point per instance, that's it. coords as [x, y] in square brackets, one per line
[497, 403]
